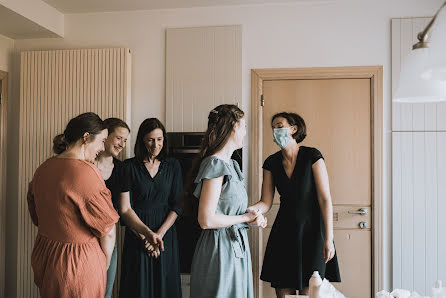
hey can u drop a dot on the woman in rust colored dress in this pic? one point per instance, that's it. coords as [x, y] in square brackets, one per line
[72, 208]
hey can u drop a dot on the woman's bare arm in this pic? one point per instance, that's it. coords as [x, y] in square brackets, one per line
[267, 196]
[208, 218]
[324, 198]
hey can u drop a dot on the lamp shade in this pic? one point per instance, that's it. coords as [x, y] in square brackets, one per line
[414, 85]
[436, 64]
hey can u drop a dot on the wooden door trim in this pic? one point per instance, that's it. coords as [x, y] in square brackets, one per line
[375, 74]
[3, 131]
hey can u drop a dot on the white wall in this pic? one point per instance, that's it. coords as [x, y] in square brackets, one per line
[328, 33]
[6, 47]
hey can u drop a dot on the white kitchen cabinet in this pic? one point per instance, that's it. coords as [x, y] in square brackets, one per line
[203, 70]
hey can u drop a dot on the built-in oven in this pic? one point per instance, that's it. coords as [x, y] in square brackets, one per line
[185, 146]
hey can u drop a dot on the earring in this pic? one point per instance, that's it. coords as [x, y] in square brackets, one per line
[83, 150]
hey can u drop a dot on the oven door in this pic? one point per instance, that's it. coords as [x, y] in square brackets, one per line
[188, 229]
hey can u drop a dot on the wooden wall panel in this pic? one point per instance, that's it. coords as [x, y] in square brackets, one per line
[419, 210]
[203, 70]
[54, 87]
[418, 172]
[3, 131]
[397, 203]
[432, 212]
[407, 210]
[441, 194]
[418, 207]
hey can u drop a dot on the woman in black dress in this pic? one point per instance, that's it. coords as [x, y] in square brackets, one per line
[301, 239]
[112, 170]
[151, 271]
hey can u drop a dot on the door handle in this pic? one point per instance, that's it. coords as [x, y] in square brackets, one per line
[361, 211]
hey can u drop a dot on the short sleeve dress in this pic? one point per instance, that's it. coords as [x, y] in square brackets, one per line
[72, 208]
[118, 182]
[152, 199]
[295, 245]
[221, 265]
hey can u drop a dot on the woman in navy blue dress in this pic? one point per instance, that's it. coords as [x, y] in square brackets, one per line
[301, 239]
[151, 269]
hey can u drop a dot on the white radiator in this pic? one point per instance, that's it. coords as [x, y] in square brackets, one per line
[55, 86]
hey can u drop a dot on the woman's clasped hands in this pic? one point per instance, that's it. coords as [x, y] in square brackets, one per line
[258, 220]
[152, 249]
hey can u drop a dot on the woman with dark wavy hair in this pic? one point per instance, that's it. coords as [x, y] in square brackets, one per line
[301, 239]
[72, 208]
[221, 265]
[151, 270]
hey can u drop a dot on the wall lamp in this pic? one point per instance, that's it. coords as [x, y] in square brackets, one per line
[423, 72]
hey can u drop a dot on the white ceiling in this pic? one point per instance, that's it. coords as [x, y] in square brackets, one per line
[85, 6]
[16, 26]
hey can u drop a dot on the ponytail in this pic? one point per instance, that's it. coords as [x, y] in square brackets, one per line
[75, 130]
[59, 144]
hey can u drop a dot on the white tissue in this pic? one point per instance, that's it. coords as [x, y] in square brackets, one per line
[416, 295]
[399, 293]
[327, 290]
[383, 294]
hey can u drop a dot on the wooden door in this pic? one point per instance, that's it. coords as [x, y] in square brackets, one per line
[3, 111]
[338, 118]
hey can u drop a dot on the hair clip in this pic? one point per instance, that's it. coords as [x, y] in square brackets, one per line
[214, 111]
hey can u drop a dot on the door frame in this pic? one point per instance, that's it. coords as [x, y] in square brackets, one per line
[3, 131]
[375, 74]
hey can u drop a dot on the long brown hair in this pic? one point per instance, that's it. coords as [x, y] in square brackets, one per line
[221, 122]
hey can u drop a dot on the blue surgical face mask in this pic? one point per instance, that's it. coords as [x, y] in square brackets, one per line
[281, 137]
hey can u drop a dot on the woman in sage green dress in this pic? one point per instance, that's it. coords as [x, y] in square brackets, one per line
[221, 265]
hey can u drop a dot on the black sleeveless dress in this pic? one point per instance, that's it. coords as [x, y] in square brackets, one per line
[296, 242]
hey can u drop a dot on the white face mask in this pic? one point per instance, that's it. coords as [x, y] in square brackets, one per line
[281, 137]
